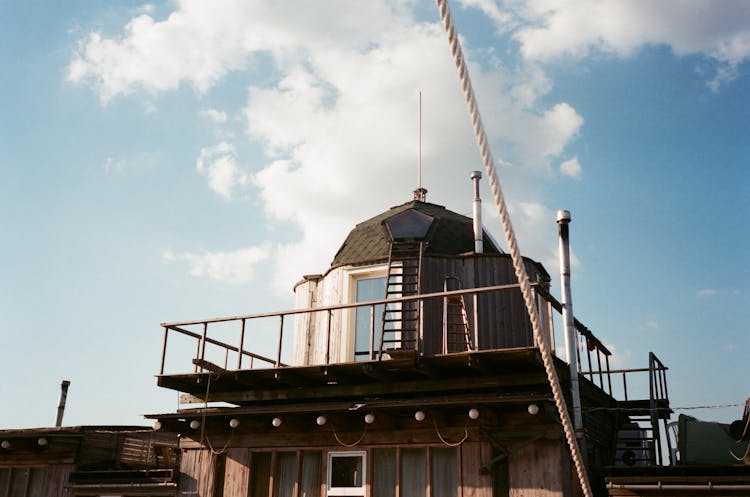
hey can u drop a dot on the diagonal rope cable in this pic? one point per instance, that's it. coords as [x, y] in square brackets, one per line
[518, 264]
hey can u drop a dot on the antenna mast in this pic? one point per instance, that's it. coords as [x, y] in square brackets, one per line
[420, 193]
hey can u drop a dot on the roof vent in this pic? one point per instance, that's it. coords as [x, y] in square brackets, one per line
[420, 194]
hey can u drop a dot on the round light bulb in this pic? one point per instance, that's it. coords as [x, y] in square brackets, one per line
[234, 423]
[419, 415]
[369, 418]
[5, 444]
[195, 424]
[42, 442]
[157, 425]
[474, 413]
[276, 422]
[533, 409]
[321, 420]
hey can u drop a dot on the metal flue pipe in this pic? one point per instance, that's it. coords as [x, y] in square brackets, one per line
[61, 406]
[563, 219]
[477, 208]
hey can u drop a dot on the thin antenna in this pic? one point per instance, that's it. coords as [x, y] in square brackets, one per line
[420, 193]
[419, 182]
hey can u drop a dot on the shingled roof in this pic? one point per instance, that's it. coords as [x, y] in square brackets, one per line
[447, 233]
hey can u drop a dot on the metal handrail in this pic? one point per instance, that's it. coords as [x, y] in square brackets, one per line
[202, 338]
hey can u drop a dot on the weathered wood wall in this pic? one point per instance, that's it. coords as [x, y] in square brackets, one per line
[197, 473]
[541, 469]
[502, 318]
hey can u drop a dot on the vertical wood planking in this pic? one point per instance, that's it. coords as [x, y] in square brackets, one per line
[472, 483]
[538, 470]
[237, 473]
[197, 476]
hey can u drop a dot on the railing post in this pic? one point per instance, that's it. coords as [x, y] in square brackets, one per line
[164, 351]
[328, 337]
[242, 345]
[372, 332]
[281, 336]
[203, 341]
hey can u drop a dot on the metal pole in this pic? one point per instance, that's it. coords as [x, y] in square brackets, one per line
[61, 406]
[563, 218]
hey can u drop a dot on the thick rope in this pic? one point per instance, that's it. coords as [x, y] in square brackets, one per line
[518, 264]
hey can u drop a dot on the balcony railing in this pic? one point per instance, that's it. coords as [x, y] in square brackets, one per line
[264, 340]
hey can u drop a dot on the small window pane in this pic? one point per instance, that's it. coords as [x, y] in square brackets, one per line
[311, 477]
[383, 472]
[346, 474]
[346, 471]
[414, 473]
[368, 289]
[444, 472]
[286, 474]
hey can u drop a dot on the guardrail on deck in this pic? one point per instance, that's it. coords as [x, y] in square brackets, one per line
[247, 358]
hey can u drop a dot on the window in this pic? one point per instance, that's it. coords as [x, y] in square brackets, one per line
[368, 289]
[363, 284]
[346, 474]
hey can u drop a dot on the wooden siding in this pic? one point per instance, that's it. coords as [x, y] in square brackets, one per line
[503, 321]
[475, 483]
[541, 469]
[198, 473]
[237, 472]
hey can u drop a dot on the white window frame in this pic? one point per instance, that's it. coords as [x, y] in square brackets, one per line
[349, 320]
[346, 491]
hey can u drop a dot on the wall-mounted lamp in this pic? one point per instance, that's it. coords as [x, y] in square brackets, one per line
[321, 420]
[419, 415]
[195, 424]
[369, 418]
[474, 413]
[157, 425]
[533, 409]
[276, 422]
[42, 442]
[234, 423]
[5, 444]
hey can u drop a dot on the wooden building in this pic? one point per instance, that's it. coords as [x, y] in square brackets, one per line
[87, 461]
[407, 369]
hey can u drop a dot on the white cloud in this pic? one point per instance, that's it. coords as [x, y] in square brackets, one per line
[652, 325]
[340, 124]
[112, 165]
[219, 165]
[216, 116]
[707, 293]
[571, 168]
[200, 42]
[550, 28]
[234, 267]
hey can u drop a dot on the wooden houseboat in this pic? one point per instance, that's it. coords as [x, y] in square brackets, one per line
[407, 369]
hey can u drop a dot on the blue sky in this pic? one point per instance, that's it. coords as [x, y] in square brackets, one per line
[170, 161]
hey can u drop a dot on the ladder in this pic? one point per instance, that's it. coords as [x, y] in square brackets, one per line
[456, 334]
[401, 320]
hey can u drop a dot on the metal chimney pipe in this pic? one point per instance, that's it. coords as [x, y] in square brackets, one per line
[478, 241]
[61, 407]
[563, 219]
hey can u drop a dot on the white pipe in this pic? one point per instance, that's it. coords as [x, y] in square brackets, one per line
[563, 219]
[478, 239]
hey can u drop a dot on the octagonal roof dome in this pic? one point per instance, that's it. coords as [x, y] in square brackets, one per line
[444, 233]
